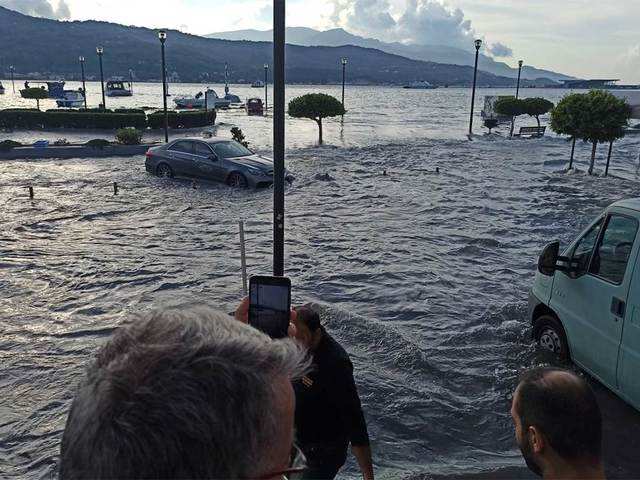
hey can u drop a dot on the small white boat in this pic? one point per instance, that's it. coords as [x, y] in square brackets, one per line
[116, 88]
[257, 84]
[213, 101]
[423, 85]
[71, 99]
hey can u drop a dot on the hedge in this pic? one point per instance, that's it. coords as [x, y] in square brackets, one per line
[28, 118]
[189, 119]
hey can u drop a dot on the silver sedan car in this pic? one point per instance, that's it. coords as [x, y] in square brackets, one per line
[215, 159]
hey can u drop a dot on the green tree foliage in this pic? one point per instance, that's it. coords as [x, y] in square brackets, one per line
[509, 107]
[239, 137]
[35, 93]
[490, 123]
[595, 117]
[535, 107]
[316, 106]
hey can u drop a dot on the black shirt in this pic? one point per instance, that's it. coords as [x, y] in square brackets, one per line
[328, 407]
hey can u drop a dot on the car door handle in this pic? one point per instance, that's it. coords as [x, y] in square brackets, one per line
[617, 307]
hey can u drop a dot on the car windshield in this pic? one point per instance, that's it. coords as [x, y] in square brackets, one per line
[231, 150]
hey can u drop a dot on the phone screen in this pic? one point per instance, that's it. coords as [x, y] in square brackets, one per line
[270, 304]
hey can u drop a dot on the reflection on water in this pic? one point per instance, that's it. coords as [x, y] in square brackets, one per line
[422, 276]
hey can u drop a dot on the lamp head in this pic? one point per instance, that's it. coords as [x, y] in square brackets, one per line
[344, 60]
[81, 58]
[266, 66]
[99, 50]
[162, 35]
[520, 62]
[478, 44]
[10, 67]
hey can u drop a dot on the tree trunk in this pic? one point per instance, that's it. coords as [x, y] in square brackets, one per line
[38, 103]
[319, 120]
[538, 120]
[606, 170]
[593, 157]
[573, 149]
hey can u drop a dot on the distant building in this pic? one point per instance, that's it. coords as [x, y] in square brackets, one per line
[589, 84]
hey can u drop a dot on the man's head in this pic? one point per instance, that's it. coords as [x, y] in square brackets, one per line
[184, 394]
[557, 419]
[307, 323]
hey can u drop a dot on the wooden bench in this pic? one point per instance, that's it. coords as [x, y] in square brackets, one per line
[532, 132]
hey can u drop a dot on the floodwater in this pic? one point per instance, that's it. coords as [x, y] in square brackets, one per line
[423, 277]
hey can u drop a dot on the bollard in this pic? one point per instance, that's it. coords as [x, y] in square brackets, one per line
[194, 184]
[243, 259]
[30, 192]
[437, 169]
[115, 188]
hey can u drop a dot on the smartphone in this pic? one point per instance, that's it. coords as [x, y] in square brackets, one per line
[270, 305]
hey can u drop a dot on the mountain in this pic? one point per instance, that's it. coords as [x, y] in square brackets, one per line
[41, 48]
[432, 53]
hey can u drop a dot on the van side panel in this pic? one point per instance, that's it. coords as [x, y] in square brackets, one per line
[629, 361]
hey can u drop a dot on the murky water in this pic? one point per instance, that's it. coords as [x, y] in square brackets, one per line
[422, 276]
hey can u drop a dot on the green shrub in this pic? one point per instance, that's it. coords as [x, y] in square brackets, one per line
[238, 136]
[34, 119]
[129, 110]
[98, 143]
[189, 119]
[129, 136]
[490, 123]
[6, 145]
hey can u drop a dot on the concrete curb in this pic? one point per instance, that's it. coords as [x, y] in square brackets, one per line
[75, 151]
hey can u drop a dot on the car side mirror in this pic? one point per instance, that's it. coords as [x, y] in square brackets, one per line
[548, 260]
[213, 157]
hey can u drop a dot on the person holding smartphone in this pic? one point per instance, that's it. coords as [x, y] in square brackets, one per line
[329, 415]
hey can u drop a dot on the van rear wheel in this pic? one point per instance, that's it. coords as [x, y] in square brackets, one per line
[550, 336]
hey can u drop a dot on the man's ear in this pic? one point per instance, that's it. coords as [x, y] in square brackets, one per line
[536, 439]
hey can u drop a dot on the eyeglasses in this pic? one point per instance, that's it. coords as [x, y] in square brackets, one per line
[296, 469]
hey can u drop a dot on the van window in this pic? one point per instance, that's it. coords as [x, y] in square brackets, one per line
[582, 251]
[614, 248]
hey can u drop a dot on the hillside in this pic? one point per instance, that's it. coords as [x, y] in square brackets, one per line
[432, 53]
[43, 48]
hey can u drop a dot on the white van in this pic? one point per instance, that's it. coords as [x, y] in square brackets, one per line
[585, 303]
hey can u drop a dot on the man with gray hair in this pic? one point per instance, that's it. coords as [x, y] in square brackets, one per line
[187, 393]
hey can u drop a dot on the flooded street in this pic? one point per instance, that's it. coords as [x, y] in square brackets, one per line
[422, 276]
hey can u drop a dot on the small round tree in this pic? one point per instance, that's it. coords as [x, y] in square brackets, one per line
[509, 107]
[316, 106]
[490, 123]
[35, 93]
[534, 107]
[603, 118]
[566, 118]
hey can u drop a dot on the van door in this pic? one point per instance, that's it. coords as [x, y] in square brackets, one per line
[592, 306]
[629, 363]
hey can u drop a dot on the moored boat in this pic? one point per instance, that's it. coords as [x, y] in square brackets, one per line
[422, 85]
[198, 101]
[1, 89]
[116, 88]
[72, 99]
[257, 84]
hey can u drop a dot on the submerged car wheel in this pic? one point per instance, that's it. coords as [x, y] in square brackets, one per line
[237, 180]
[164, 170]
[550, 335]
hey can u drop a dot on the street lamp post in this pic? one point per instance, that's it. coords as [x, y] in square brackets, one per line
[13, 83]
[278, 136]
[100, 52]
[478, 44]
[84, 86]
[344, 67]
[266, 81]
[162, 35]
[520, 63]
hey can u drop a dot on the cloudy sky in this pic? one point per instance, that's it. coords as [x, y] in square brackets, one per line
[586, 38]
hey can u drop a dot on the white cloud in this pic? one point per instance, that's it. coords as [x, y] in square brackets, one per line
[39, 8]
[500, 50]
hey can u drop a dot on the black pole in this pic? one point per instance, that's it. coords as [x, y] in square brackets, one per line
[573, 149]
[473, 91]
[266, 80]
[278, 136]
[606, 170]
[13, 83]
[163, 38]
[104, 103]
[344, 67]
[84, 85]
[520, 62]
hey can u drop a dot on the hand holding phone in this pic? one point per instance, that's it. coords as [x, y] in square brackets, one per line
[270, 305]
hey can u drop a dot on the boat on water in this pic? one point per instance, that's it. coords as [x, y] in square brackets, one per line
[1, 89]
[117, 88]
[198, 101]
[55, 89]
[257, 84]
[422, 85]
[72, 99]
